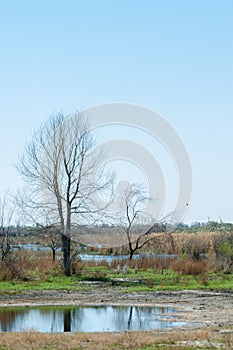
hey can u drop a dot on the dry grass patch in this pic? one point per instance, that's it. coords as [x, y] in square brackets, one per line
[103, 341]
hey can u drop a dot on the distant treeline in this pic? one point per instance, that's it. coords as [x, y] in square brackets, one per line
[210, 226]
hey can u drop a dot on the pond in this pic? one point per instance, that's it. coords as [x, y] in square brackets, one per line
[87, 318]
[93, 257]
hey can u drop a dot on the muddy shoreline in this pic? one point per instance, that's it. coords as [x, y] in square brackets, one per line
[201, 308]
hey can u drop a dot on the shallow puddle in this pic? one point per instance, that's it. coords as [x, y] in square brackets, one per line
[87, 318]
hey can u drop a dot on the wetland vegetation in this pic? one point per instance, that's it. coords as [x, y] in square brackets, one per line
[197, 261]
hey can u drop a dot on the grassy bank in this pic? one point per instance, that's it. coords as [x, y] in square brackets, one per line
[35, 270]
[145, 279]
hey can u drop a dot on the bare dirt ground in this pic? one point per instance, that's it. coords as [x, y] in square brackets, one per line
[202, 309]
[209, 316]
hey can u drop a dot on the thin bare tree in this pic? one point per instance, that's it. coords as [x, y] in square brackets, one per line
[63, 176]
[51, 237]
[53, 240]
[6, 215]
[136, 223]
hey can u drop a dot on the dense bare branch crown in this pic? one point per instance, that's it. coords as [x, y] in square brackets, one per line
[61, 170]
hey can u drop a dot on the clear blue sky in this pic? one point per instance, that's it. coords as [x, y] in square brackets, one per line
[173, 56]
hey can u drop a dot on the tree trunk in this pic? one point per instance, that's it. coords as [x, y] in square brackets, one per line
[54, 254]
[131, 253]
[66, 254]
[67, 242]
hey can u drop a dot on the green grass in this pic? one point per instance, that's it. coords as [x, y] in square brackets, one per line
[143, 280]
[146, 280]
[50, 283]
[220, 281]
[103, 269]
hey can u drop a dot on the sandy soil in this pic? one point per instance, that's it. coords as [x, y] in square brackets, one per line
[201, 308]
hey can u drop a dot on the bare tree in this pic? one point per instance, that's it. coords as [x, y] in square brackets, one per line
[6, 215]
[53, 239]
[136, 224]
[63, 176]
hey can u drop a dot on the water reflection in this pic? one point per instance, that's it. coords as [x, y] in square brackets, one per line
[86, 319]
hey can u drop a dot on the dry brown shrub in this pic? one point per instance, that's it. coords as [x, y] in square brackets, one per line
[92, 263]
[115, 263]
[24, 265]
[155, 263]
[43, 262]
[77, 266]
[15, 266]
[189, 266]
[213, 264]
[142, 263]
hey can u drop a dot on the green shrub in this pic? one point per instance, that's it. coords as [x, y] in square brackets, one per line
[223, 247]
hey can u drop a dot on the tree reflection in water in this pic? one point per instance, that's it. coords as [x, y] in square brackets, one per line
[85, 319]
[10, 317]
[67, 320]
